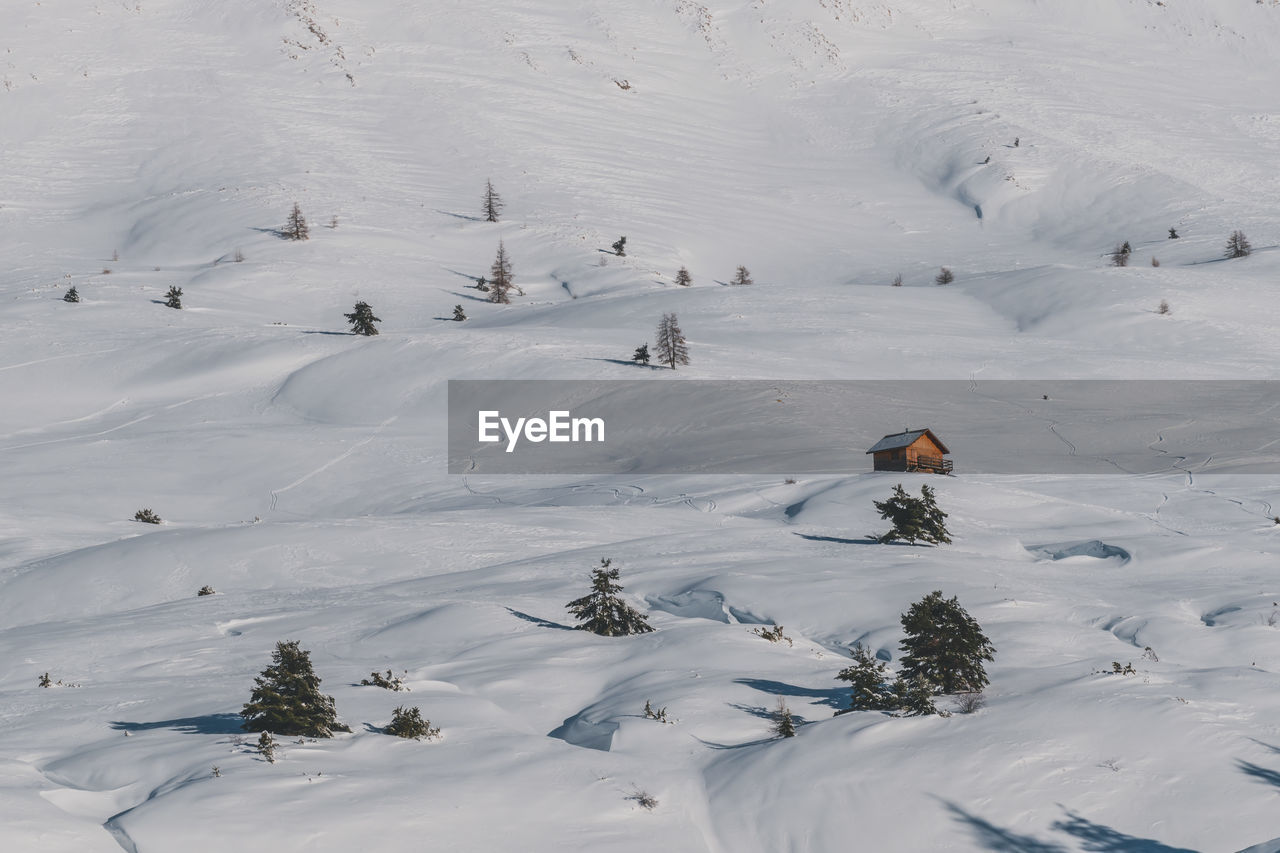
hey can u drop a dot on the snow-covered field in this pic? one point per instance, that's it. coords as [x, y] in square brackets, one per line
[827, 145]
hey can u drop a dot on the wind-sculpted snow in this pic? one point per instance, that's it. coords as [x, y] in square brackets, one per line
[300, 471]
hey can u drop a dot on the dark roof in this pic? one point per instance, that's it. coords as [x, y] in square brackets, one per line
[906, 439]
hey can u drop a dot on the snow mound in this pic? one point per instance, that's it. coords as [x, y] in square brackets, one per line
[1092, 548]
[704, 604]
[581, 731]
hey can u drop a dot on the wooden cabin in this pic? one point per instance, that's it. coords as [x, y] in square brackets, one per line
[911, 450]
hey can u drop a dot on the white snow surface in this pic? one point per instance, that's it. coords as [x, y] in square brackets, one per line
[827, 145]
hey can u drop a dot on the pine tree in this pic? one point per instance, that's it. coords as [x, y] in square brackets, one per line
[642, 354]
[267, 747]
[296, 227]
[620, 247]
[482, 284]
[783, 724]
[492, 203]
[683, 278]
[672, 348]
[1126, 248]
[500, 280]
[869, 679]
[362, 320]
[1238, 245]
[71, 295]
[944, 646]
[459, 314]
[742, 276]
[602, 611]
[914, 519]
[173, 298]
[1119, 257]
[944, 276]
[1173, 233]
[913, 697]
[286, 697]
[408, 723]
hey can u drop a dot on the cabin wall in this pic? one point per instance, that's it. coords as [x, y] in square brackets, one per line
[923, 446]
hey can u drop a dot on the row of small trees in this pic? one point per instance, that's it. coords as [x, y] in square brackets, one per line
[944, 649]
[1237, 246]
[287, 700]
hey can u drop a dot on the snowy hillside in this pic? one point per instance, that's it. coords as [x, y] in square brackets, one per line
[826, 145]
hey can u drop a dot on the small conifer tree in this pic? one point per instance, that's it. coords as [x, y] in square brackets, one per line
[1164, 307]
[266, 746]
[1238, 245]
[620, 247]
[173, 299]
[914, 519]
[944, 276]
[1119, 257]
[71, 295]
[492, 203]
[672, 348]
[459, 314]
[602, 611]
[683, 278]
[146, 516]
[1126, 248]
[408, 723]
[1173, 233]
[482, 284]
[869, 679]
[296, 227]
[389, 681]
[361, 319]
[742, 276]
[286, 697]
[783, 723]
[206, 590]
[913, 697]
[641, 355]
[944, 646]
[500, 278]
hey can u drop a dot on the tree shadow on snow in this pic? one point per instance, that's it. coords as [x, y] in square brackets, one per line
[834, 697]
[713, 745]
[1092, 836]
[321, 332]
[627, 363]
[765, 713]
[1262, 774]
[1267, 746]
[1001, 840]
[212, 724]
[461, 215]
[539, 621]
[866, 540]
[1104, 839]
[274, 232]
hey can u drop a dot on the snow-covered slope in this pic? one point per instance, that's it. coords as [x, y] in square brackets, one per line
[828, 145]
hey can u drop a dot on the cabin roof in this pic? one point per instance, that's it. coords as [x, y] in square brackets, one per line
[906, 439]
